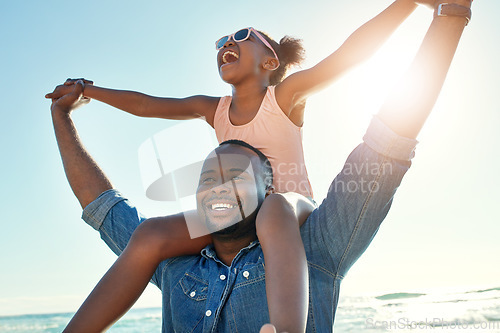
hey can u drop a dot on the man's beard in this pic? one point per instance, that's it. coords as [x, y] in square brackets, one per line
[243, 228]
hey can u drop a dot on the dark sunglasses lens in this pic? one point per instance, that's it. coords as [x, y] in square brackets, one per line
[241, 35]
[221, 42]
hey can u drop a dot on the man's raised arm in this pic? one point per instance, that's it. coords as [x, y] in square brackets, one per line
[361, 195]
[85, 177]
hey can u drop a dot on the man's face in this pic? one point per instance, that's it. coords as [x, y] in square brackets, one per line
[230, 189]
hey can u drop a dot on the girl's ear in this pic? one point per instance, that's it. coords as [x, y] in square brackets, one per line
[271, 64]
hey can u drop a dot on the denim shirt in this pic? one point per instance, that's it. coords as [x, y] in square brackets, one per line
[202, 294]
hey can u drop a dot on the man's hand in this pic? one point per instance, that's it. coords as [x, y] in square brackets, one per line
[72, 99]
[70, 81]
[433, 3]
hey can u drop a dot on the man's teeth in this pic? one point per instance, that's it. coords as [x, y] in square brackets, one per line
[227, 54]
[221, 206]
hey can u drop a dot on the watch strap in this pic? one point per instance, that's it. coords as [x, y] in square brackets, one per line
[451, 9]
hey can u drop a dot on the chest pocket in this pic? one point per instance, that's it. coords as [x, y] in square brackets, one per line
[194, 287]
[251, 274]
[188, 301]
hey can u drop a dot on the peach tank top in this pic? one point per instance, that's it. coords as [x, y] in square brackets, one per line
[273, 133]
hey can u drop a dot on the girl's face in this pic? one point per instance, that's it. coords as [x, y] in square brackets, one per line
[238, 61]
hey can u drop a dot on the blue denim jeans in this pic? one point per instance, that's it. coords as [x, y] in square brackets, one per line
[201, 294]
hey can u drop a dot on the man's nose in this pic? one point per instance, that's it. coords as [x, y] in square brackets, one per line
[222, 188]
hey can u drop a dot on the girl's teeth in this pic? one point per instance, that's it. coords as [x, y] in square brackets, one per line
[225, 59]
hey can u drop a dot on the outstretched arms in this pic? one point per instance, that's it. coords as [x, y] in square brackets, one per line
[353, 217]
[153, 241]
[85, 177]
[412, 99]
[143, 105]
[360, 46]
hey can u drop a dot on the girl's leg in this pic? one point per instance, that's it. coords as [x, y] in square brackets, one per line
[153, 241]
[287, 279]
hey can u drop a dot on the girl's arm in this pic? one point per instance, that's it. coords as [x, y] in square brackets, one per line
[143, 105]
[361, 45]
[152, 242]
[410, 103]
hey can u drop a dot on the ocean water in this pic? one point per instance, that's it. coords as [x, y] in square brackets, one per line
[457, 311]
[135, 321]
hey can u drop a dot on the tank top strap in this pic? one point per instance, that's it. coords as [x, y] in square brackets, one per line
[270, 105]
[270, 99]
[222, 113]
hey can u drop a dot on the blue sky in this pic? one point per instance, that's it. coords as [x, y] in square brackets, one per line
[442, 231]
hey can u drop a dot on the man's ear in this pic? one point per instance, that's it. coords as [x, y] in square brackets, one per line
[271, 64]
[270, 189]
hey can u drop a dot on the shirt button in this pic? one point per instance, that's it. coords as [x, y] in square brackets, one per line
[208, 313]
[246, 274]
[222, 277]
[193, 293]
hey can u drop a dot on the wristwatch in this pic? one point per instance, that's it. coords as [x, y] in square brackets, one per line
[451, 9]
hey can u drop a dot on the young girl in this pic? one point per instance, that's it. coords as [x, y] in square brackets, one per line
[266, 111]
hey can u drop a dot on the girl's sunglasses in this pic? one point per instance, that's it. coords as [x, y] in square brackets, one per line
[242, 35]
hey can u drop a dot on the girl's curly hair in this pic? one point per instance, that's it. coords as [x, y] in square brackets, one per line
[290, 53]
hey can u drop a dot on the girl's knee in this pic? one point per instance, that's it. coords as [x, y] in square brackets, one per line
[158, 236]
[148, 236]
[168, 237]
[275, 214]
[276, 204]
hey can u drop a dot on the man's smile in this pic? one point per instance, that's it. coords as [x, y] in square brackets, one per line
[221, 206]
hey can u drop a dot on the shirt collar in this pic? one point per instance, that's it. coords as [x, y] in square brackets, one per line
[209, 251]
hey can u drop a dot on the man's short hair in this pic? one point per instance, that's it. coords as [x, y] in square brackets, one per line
[265, 163]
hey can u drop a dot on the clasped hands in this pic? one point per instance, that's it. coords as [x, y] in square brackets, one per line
[69, 96]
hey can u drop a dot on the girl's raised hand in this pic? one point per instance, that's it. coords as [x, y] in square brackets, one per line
[427, 3]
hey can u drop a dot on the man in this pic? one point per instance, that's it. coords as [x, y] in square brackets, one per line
[223, 289]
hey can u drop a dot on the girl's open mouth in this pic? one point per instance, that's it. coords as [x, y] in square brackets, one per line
[229, 57]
